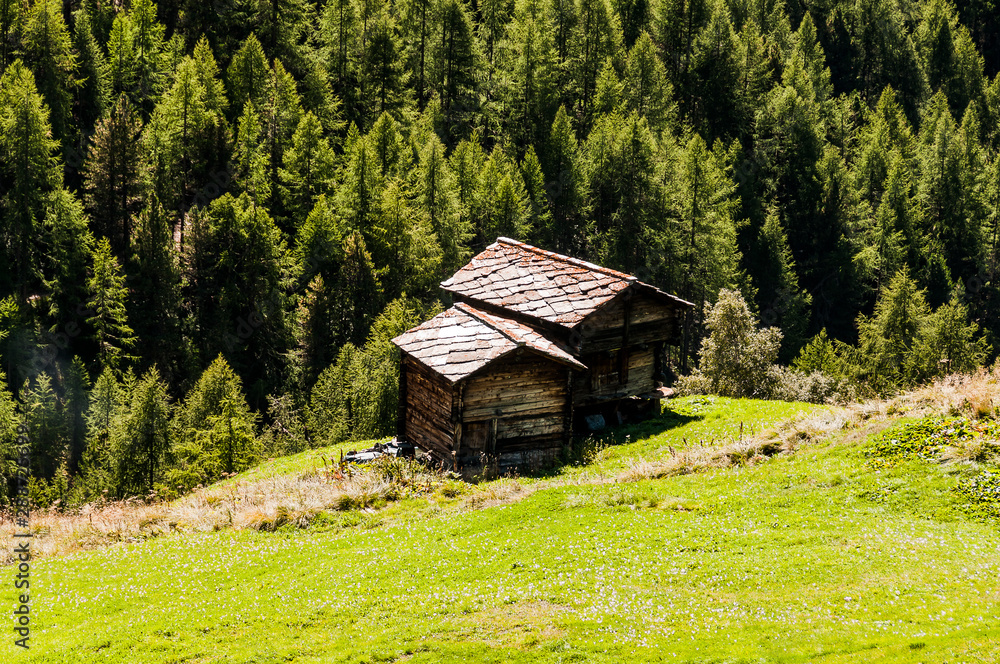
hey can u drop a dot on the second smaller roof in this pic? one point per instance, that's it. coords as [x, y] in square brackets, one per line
[458, 342]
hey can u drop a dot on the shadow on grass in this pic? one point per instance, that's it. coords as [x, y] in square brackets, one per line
[587, 446]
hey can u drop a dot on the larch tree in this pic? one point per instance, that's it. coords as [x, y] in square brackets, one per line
[140, 438]
[111, 175]
[107, 307]
[566, 185]
[48, 50]
[29, 171]
[308, 168]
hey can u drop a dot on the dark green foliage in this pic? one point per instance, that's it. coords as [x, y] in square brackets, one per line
[112, 185]
[107, 304]
[139, 438]
[357, 396]
[258, 179]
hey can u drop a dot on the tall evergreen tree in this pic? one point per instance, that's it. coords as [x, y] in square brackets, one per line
[111, 175]
[27, 175]
[48, 50]
[108, 307]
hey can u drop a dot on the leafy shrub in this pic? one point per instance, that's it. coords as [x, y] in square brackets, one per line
[922, 439]
[737, 357]
[983, 489]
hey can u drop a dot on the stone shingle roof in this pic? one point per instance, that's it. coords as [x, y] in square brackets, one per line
[541, 284]
[462, 340]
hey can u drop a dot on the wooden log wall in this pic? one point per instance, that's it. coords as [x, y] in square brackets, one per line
[640, 378]
[428, 416]
[650, 321]
[526, 395]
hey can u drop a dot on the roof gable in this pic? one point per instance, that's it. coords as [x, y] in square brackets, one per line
[463, 340]
[541, 284]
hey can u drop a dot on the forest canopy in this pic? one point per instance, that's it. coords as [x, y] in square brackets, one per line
[215, 216]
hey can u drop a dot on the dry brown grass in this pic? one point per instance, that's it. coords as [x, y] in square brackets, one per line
[265, 504]
[974, 395]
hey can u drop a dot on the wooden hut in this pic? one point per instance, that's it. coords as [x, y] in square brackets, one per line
[533, 339]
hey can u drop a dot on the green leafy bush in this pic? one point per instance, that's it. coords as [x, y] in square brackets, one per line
[983, 489]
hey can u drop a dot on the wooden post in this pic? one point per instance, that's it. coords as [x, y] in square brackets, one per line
[491, 442]
[401, 408]
[568, 437]
[623, 355]
[457, 408]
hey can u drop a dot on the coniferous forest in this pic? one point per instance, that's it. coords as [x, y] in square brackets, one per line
[216, 215]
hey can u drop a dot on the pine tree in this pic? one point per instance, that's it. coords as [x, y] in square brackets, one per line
[10, 18]
[140, 437]
[360, 291]
[48, 51]
[28, 173]
[107, 304]
[949, 57]
[608, 93]
[181, 140]
[122, 68]
[635, 17]
[250, 157]
[539, 217]
[283, 26]
[408, 252]
[676, 25]
[308, 168]
[884, 54]
[93, 92]
[394, 157]
[111, 175]
[501, 202]
[706, 205]
[565, 187]
[712, 83]
[361, 186]
[68, 244]
[338, 34]
[781, 302]
[527, 63]
[949, 188]
[436, 194]
[381, 69]
[150, 56]
[315, 333]
[628, 204]
[647, 90]
[280, 117]
[319, 245]
[887, 133]
[155, 272]
[455, 61]
[330, 415]
[247, 76]
[597, 37]
[47, 428]
[417, 27]
[889, 336]
[107, 404]
[237, 273]
[949, 342]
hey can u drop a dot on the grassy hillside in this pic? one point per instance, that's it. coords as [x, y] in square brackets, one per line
[697, 537]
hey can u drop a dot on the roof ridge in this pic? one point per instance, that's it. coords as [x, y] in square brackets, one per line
[569, 259]
[483, 318]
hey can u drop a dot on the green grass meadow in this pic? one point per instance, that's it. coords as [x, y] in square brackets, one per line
[810, 557]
